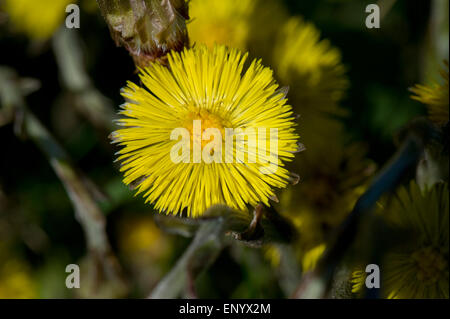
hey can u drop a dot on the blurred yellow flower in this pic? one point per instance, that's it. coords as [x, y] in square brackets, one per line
[211, 87]
[141, 236]
[145, 250]
[334, 175]
[37, 19]
[435, 97]
[273, 254]
[419, 268]
[308, 259]
[310, 66]
[336, 171]
[232, 22]
[312, 257]
[221, 22]
[16, 281]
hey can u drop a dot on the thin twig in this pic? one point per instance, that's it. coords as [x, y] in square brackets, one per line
[204, 249]
[210, 239]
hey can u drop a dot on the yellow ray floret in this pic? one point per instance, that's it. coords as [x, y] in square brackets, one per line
[212, 87]
[435, 97]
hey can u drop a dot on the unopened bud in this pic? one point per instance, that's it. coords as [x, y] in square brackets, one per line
[148, 29]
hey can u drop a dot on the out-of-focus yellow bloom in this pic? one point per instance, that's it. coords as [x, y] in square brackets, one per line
[273, 254]
[16, 281]
[333, 176]
[334, 172]
[418, 268]
[211, 86]
[308, 260]
[312, 257]
[249, 25]
[140, 236]
[310, 66]
[435, 97]
[144, 250]
[37, 19]
[221, 22]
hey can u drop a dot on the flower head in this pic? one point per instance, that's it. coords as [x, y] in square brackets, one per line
[232, 22]
[310, 66]
[204, 94]
[334, 175]
[419, 267]
[435, 97]
[221, 22]
[37, 19]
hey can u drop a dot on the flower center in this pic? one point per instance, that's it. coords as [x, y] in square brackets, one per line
[208, 120]
[431, 263]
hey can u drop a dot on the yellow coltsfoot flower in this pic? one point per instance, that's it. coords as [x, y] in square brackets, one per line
[240, 24]
[221, 22]
[310, 66]
[418, 268]
[37, 19]
[435, 97]
[206, 97]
